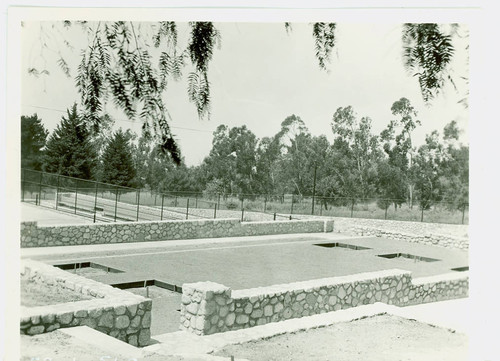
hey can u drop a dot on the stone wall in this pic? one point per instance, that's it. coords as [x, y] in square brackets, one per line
[112, 311]
[209, 307]
[33, 235]
[444, 235]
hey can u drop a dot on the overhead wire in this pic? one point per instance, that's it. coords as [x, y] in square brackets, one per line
[119, 119]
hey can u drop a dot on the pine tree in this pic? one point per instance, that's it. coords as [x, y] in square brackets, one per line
[69, 149]
[117, 162]
[33, 139]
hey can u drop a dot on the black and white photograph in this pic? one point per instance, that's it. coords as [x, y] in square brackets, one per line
[256, 183]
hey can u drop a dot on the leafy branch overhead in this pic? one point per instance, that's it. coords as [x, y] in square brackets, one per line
[131, 63]
[118, 65]
[428, 52]
[324, 41]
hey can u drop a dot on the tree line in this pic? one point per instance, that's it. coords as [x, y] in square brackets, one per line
[357, 165]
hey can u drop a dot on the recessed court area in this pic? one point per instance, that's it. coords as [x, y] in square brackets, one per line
[247, 262]
[408, 256]
[341, 245]
[241, 263]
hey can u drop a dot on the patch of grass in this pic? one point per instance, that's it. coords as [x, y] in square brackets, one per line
[41, 294]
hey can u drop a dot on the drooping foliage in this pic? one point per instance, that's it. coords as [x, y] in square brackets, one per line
[131, 63]
[324, 42]
[427, 53]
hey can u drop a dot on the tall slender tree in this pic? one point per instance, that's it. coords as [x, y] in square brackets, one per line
[398, 141]
[356, 141]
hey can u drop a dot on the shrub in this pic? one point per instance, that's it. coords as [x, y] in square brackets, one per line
[231, 205]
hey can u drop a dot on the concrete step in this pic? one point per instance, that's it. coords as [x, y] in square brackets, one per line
[104, 342]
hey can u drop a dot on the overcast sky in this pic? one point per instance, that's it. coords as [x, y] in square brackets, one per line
[260, 75]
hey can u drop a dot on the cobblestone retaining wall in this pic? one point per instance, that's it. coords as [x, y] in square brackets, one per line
[209, 307]
[444, 235]
[117, 313]
[34, 236]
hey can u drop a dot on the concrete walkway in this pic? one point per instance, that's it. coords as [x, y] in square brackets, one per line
[49, 217]
[447, 314]
[133, 246]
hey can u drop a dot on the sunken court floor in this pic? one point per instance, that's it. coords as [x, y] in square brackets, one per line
[241, 263]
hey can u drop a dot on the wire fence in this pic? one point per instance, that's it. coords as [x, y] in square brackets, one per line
[104, 202]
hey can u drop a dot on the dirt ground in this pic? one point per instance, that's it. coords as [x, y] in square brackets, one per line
[58, 346]
[40, 294]
[379, 338]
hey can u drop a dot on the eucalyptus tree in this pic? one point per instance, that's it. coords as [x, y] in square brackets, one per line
[268, 156]
[454, 169]
[231, 164]
[427, 162]
[293, 139]
[355, 141]
[397, 139]
[442, 169]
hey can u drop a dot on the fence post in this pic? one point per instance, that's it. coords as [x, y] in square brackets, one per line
[23, 176]
[95, 200]
[187, 209]
[463, 214]
[242, 213]
[265, 203]
[138, 203]
[40, 190]
[76, 194]
[422, 216]
[314, 188]
[242, 202]
[175, 202]
[116, 201]
[161, 213]
[352, 207]
[215, 210]
[386, 207]
[274, 216]
[57, 190]
[291, 210]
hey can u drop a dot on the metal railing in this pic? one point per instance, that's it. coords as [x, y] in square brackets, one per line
[111, 203]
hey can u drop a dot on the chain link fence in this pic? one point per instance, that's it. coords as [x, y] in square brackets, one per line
[111, 203]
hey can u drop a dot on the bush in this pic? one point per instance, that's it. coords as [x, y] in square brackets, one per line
[231, 205]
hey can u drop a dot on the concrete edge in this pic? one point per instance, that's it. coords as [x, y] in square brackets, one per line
[194, 347]
[104, 342]
[182, 342]
[137, 246]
